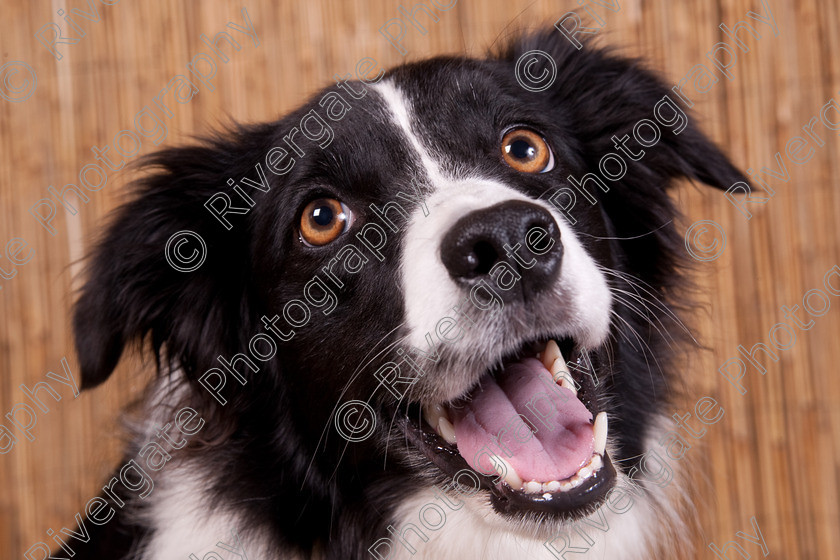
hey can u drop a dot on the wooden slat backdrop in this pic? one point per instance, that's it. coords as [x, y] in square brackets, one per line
[774, 456]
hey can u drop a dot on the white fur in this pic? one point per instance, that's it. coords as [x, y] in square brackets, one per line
[399, 109]
[183, 522]
[476, 532]
[178, 510]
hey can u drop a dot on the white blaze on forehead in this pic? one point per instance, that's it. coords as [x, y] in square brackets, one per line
[399, 109]
[429, 291]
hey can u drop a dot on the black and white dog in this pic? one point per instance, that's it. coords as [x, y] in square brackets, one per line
[422, 300]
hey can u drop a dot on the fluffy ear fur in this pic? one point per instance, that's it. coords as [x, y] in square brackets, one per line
[131, 289]
[607, 95]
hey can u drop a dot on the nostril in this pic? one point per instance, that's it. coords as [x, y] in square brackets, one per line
[484, 256]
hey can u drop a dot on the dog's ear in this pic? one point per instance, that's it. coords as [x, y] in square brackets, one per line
[604, 95]
[133, 290]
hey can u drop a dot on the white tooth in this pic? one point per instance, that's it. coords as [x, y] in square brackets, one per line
[552, 486]
[596, 463]
[510, 476]
[446, 430]
[433, 413]
[564, 382]
[560, 373]
[533, 487]
[558, 366]
[575, 481]
[585, 472]
[550, 353]
[600, 429]
[566, 486]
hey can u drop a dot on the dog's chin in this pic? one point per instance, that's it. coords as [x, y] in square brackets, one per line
[540, 425]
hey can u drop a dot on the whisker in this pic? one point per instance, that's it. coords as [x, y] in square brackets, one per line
[625, 238]
[347, 385]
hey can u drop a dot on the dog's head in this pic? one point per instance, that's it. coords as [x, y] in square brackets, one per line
[439, 245]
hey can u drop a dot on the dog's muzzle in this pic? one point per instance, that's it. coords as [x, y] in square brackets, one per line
[530, 425]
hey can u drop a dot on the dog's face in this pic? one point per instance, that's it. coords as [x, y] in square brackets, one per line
[436, 275]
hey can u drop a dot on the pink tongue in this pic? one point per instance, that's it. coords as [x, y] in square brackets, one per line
[538, 427]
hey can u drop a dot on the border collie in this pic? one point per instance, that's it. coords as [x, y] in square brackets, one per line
[435, 317]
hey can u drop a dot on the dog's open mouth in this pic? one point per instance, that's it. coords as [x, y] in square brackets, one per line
[530, 430]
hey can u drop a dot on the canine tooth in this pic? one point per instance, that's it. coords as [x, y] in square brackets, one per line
[565, 382]
[560, 373]
[433, 413]
[558, 366]
[551, 353]
[446, 430]
[600, 429]
[533, 487]
[552, 486]
[508, 473]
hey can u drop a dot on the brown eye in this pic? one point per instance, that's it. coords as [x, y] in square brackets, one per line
[526, 151]
[323, 220]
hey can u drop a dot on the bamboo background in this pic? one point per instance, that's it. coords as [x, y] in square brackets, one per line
[776, 453]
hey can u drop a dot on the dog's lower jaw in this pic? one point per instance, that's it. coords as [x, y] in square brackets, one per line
[656, 525]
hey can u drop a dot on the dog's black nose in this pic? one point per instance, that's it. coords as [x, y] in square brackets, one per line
[521, 233]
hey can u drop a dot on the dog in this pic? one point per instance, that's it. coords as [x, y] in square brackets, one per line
[436, 316]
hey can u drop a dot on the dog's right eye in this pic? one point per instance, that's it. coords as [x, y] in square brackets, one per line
[323, 221]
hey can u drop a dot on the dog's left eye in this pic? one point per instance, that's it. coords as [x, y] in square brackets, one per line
[527, 151]
[323, 221]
